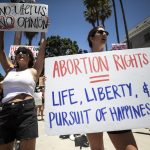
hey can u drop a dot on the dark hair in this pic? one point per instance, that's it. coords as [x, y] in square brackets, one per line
[92, 33]
[28, 51]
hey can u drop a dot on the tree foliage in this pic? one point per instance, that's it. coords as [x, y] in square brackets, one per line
[97, 11]
[1, 77]
[57, 46]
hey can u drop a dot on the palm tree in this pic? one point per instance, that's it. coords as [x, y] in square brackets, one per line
[97, 11]
[116, 22]
[90, 17]
[105, 10]
[91, 12]
[125, 24]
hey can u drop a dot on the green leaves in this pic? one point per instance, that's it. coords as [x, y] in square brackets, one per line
[97, 11]
[57, 46]
[1, 77]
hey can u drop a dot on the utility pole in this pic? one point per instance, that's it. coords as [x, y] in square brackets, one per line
[116, 22]
[125, 24]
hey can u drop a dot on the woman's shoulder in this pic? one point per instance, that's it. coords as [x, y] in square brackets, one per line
[33, 72]
[11, 68]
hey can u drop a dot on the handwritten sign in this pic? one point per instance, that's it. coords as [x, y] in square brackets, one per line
[23, 17]
[13, 48]
[119, 46]
[95, 92]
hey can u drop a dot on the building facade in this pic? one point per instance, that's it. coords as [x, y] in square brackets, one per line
[140, 35]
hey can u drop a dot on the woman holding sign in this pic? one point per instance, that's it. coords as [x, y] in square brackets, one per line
[122, 140]
[18, 118]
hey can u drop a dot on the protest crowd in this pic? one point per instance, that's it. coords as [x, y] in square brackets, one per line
[37, 90]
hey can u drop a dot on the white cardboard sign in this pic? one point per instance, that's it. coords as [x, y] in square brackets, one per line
[119, 46]
[13, 48]
[23, 17]
[93, 92]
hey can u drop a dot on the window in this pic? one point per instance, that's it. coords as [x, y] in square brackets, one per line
[147, 37]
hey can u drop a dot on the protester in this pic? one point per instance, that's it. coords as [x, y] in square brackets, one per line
[38, 96]
[122, 140]
[18, 116]
[43, 101]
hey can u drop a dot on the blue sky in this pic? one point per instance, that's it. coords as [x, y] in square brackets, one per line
[67, 20]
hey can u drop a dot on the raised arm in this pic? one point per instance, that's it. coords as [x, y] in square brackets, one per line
[41, 55]
[6, 64]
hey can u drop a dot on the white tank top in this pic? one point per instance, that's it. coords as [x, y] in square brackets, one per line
[17, 82]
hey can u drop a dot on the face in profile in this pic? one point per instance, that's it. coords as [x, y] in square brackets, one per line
[98, 38]
[101, 35]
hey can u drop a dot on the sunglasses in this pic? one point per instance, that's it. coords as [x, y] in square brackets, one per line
[21, 53]
[102, 32]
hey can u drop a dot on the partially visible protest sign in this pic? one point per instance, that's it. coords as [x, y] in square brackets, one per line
[24, 17]
[34, 49]
[96, 92]
[119, 46]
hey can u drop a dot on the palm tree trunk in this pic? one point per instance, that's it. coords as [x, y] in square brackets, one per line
[125, 24]
[116, 22]
[97, 19]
